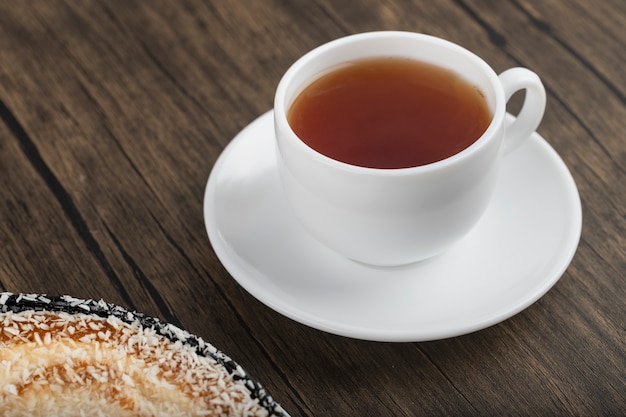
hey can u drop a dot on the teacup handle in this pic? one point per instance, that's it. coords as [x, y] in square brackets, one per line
[530, 115]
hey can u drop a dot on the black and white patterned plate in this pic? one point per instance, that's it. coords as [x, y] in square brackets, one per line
[10, 302]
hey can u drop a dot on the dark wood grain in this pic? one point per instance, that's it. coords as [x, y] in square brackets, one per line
[113, 114]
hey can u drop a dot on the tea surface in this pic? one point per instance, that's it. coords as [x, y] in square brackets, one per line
[389, 113]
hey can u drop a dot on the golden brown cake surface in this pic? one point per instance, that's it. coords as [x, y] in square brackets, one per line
[58, 364]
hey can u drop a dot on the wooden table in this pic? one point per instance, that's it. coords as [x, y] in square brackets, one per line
[113, 114]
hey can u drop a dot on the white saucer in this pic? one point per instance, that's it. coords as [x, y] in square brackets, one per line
[515, 254]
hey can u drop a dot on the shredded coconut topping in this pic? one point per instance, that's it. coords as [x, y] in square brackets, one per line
[59, 364]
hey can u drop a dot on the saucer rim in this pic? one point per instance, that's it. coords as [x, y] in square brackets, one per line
[241, 276]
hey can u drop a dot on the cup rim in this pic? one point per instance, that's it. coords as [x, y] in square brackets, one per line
[280, 108]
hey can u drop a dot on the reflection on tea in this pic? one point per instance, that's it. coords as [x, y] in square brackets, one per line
[389, 113]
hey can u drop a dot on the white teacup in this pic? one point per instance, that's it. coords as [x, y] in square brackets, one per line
[392, 217]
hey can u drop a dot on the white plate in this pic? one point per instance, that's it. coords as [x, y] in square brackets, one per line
[516, 253]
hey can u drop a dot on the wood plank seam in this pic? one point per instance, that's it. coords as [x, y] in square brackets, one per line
[64, 199]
